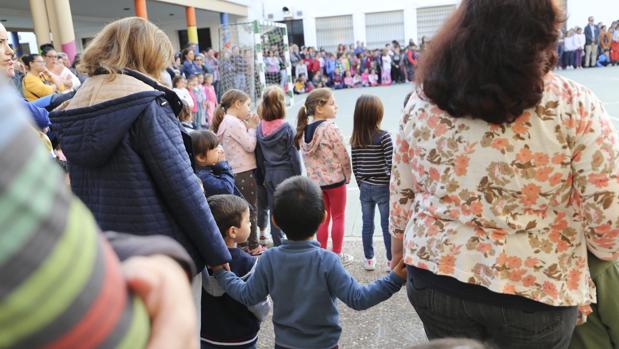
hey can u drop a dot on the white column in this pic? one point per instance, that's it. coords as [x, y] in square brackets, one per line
[358, 25]
[309, 31]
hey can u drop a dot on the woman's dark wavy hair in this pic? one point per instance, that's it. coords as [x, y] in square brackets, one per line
[489, 59]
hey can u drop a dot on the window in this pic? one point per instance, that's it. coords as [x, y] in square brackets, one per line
[430, 19]
[383, 27]
[331, 31]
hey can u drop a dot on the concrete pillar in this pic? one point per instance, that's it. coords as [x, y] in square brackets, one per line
[16, 46]
[40, 22]
[52, 19]
[140, 9]
[223, 18]
[66, 37]
[192, 29]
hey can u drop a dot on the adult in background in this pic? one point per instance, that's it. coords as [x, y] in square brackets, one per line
[213, 64]
[614, 46]
[57, 69]
[39, 82]
[189, 66]
[592, 40]
[124, 145]
[504, 175]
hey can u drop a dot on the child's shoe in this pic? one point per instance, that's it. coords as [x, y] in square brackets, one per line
[346, 259]
[370, 264]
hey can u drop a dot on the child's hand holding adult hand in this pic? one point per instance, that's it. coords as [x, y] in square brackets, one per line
[400, 270]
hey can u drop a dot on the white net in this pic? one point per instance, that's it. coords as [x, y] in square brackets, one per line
[255, 55]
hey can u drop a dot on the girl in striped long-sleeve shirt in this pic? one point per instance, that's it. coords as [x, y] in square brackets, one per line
[372, 150]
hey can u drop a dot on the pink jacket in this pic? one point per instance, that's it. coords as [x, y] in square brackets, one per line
[326, 158]
[239, 143]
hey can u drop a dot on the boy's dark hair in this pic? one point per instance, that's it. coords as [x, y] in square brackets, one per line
[227, 211]
[298, 208]
[203, 141]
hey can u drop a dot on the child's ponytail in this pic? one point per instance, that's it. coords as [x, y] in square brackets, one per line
[220, 112]
[302, 120]
[227, 100]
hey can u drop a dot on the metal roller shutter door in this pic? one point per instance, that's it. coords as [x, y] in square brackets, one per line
[384, 27]
[331, 31]
[430, 19]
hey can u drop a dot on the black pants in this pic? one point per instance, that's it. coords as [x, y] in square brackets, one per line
[246, 183]
[445, 316]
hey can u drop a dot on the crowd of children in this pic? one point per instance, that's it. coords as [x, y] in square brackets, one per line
[352, 67]
[243, 154]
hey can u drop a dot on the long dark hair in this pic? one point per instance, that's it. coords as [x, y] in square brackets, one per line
[202, 141]
[367, 117]
[489, 59]
[317, 97]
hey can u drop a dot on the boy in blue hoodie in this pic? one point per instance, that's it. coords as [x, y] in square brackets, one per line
[303, 279]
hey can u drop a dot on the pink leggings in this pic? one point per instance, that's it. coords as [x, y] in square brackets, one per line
[335, 205]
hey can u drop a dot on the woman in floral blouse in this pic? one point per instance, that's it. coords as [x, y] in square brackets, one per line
[504, 175]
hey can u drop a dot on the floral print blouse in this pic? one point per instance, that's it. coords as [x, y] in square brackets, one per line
[511, 207]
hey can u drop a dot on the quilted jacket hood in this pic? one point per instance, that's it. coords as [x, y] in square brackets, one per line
[92, 124]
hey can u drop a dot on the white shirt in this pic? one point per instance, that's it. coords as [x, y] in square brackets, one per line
[184, 95]
[571, 43]
[580, 41]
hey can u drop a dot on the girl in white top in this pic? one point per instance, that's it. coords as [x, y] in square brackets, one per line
[180, 84]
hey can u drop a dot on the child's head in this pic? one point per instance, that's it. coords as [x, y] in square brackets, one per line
[206, 148]
[298, 208]
[273, 104]
[348, 74]
[367, 117]
[231, 213]
[373, 71]
[234, 102]
[192, 81]
[201, 79]
[320, 103]
[365, 70]
[185, 115]
[208, 79]
[179, 82]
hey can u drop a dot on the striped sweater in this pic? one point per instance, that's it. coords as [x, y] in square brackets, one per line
[372, 163]
[61, 284]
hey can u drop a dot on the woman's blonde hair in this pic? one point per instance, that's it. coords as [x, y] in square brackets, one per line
[131, 42]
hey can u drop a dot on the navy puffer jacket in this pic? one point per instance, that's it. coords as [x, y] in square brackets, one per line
[128, 163]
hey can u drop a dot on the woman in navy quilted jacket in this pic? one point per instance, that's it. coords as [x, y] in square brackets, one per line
[124, 144]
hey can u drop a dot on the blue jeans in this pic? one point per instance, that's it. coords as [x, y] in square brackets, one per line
[372, 196]
[444, 316]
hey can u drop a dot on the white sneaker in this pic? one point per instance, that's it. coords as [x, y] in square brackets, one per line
[346, 259]
[370, 264]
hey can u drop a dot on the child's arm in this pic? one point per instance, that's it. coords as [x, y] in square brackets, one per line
[294, 154]
[249, 293]
[387, 146]
[340, 152]
[360, 297]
